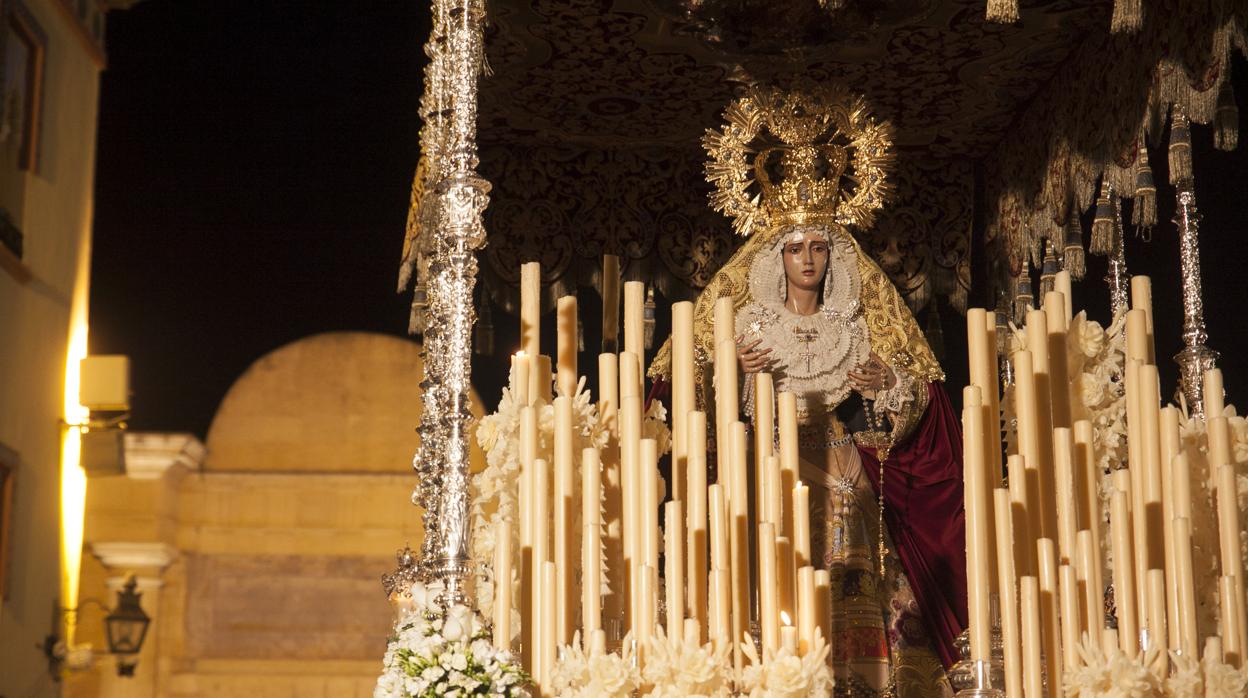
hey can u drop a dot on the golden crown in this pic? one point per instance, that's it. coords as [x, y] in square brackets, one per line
[805, 145]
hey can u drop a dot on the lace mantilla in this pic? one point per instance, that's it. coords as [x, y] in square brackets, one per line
[813, 354]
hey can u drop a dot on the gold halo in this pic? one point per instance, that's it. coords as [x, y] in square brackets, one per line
[815, 115]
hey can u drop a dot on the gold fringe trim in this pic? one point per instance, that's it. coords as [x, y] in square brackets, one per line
[1226, 120]
[1144, 211]
[1002, 11]
[1072, 253]
[1128, 16]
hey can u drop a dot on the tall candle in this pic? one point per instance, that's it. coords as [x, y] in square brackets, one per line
[764, 429]
[801, 524]
[772, 509]
[1051, 628]
[1232, 650]
[786, 576]
[1215, 401]
[738, 537]
[564, 533]
[502, 585]
[1186, 583]
[823, 595]
[540, 379]
[1181, 479]
[1124, 574]
[591, 542]
[1155, 586]
[1219, 441]
[1037, 343]
[651, 495]
[682, 395]
[566, 345]
[531, 308]
[768, 596]
[1068, 486]
[1070, 621]
[610, 303]
[1142, 299]
[520, 380]
[648, 607]
[992, 402]
[697, 550]
[1137, 335]
[612, 489]
[1170, 445]
[1135, 473]
[805, 608]
[976, 497]
[674, 583]
[1089, 494]
[727, 394]
[1059, 383]
[788, 639]
[1228, 538]
[1021, 518]
[529, 570]
[1150, 419]
[1092, 600]
[1029, 602]
[549, 602]
[1061, 284]
[721, 611]
[1008, 599]
[786, 408]
[1025, 407]
[634, 322]
[608, 390]
[631, 485]
[721, 567]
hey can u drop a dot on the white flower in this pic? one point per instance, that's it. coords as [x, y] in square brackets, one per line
[458, 624]
[581, 674]
[681, 667]
[1223, 680]
[1091, 337]
[1091, 390]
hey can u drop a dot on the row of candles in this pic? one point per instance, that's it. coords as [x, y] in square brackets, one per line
[707, 534]
[1036, 542]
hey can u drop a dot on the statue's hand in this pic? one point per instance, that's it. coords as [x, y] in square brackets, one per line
[872, 376]
[752, 359]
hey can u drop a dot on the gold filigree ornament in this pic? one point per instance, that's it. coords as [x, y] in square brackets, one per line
[798, 156]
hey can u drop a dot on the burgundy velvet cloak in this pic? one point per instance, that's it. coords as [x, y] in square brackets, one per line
[923, 509]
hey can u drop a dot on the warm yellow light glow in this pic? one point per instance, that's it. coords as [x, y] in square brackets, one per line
[73, 479]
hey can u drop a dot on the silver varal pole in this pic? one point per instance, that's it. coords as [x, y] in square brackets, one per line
[1117, 276]
[462, 196]
[1195, 358]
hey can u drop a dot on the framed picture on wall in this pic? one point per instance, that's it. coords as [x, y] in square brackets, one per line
[21, 93]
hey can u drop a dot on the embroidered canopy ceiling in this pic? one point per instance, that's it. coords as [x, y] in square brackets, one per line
[592, 114]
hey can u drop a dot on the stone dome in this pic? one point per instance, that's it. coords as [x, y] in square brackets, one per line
[340, 402]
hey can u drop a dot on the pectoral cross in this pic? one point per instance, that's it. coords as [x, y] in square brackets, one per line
[806, 337]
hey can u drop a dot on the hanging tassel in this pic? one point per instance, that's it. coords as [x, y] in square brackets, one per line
[1226, 120]
[1102, 224]
[1002, 11]
[935, 333]
[1128, 16]
[1144, 211]
[1048, 272]
[1072, 253]
[1180, 149]
[1023, 299]
[485, 327]
[647, 317]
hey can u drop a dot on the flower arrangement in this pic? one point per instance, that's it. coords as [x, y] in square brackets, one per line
[785, 675]
[682, 667]
[445, 654]
[592, 672]
[1116, 675]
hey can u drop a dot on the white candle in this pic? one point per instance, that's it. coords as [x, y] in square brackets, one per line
[1142, 299]
[1047, 558]
[531, 308]
[769, 598]
[673, 530]
[520, 381]
[1124, 574]
[682, 393]
[1069, 487]
[823, 596]
[1045, 494]
[649, 500]
[1070, 621]
[805, 608]
[1188, 637]
[563, 538]
[764, 428]
[502, 585]
[696, 556]
[591, 542]
[548, 626]
[566, 346]
[788, 639]
[786, 408]
[976, 524]
[1010, 634]
[634, 324]
[801, 524]
[1029, 598]
[1215, 402]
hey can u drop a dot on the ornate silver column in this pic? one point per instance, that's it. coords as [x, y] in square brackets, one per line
[1117, 275]
[1195, 358]
[461, 196]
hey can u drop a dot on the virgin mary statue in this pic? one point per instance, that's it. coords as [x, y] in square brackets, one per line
[879, 445]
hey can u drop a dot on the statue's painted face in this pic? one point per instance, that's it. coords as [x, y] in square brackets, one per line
[805, 257]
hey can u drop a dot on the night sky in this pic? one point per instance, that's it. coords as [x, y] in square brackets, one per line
[254, 168]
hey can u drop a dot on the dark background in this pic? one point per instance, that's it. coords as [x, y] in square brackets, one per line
[254, 170]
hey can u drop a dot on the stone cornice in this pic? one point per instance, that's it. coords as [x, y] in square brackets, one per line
[129, 555]
[150, 454]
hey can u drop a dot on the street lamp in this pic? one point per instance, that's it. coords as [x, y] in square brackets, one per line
[126, 627]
